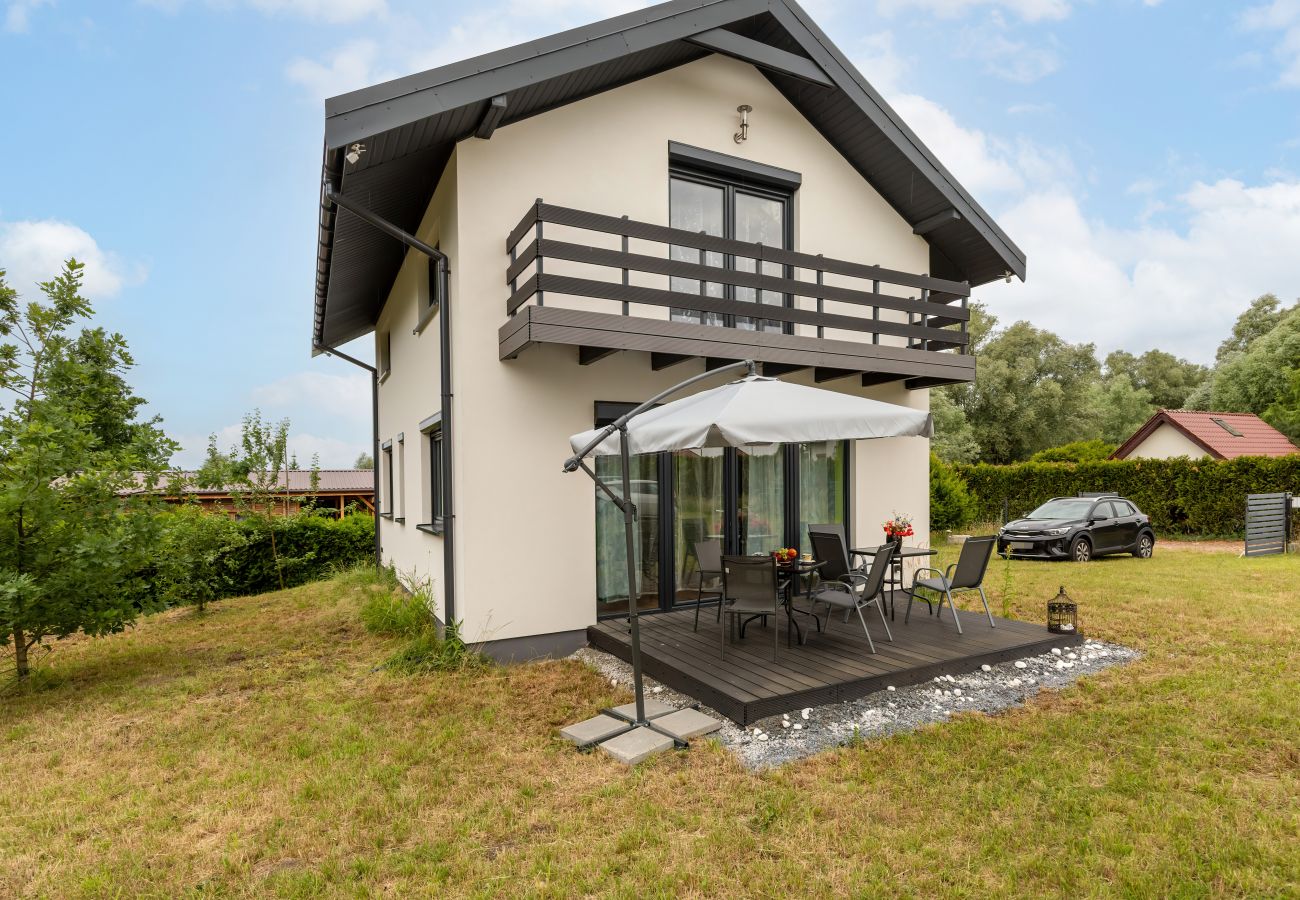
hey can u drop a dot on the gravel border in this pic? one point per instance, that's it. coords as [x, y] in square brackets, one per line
[780, 739]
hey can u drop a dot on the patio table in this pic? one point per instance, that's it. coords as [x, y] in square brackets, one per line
[788, 575]
[896, 568]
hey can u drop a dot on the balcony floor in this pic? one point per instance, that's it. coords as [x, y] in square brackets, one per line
[832, 666]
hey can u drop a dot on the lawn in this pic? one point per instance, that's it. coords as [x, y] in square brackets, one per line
[260, 749]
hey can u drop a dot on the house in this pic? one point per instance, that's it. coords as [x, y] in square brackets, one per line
[1185, 432]
[539, 237]
[342, 491]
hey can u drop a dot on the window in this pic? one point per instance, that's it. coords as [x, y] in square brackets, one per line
[430, 300]
[1122, 508]
[436, 460]
[386, 460]
[719, 207]
[1225, 426]
[399, 498]
[384, 354]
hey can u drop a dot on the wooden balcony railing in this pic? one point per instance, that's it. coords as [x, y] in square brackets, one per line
[920, 315]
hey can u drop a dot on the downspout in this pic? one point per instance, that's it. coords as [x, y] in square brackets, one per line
[374, 423]
[442, 269]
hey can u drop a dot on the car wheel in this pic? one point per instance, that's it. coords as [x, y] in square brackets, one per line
[1145, 546]
[1081, 550]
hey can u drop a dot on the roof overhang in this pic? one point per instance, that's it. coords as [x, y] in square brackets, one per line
[410, 127]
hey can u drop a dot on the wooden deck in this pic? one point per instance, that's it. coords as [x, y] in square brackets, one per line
[833, 665]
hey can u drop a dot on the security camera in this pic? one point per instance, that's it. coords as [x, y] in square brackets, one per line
[353, 156]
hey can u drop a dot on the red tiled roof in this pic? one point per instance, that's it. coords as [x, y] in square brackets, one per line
[332, 481]
[1214, 431]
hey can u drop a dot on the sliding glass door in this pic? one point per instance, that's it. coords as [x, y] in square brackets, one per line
[611, 537]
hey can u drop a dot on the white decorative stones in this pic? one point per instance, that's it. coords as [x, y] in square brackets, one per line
[891, 688]
[798, 727]
[957, 691]
[986, 668]
[1056, 651]
[1020, 664]
[806, 713]
[785, 723]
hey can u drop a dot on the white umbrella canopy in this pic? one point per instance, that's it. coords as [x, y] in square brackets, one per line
[758, 410]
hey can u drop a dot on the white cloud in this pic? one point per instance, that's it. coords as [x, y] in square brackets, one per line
[345, 396]
[18, 14]
[333, 453]
[348, 68]
[333, 12]
[1006, 57]
[1144, 286]
[1029, 10]
[1280, 18]
[34, 251]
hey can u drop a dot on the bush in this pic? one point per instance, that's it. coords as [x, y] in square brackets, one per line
[204, 557]
[1182, 496]
[390, 609]
[951, 504]
[1095, 450]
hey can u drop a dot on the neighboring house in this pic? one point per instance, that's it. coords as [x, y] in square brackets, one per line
[1183, 432]
[717, 183]
[341, 491]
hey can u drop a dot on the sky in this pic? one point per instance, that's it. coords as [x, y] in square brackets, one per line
[1144, 154]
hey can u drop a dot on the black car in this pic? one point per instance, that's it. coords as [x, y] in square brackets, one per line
[1079, 528]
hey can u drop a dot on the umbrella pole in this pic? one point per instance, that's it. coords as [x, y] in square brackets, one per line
[629, 527]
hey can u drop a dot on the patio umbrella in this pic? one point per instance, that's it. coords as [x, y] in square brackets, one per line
[753, 410]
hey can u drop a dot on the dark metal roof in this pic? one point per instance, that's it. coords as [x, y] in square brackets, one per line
[410, 126]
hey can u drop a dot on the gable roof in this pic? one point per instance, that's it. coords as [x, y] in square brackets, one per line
[410, 126]
[1253, 437]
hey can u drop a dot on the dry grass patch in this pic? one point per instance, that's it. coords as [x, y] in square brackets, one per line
[262, 749]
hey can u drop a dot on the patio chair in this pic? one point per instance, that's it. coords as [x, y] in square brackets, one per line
[708, 554]
[837, 529]
[966, 574]
[750, 588]
[846, 588]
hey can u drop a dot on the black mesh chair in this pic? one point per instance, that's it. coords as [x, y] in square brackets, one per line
[843, 587]
[749, 588]
[860, 560]
[708, 555]
[966, 574]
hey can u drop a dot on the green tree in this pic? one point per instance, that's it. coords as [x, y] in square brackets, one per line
[73, 548]
[1261, 317]
[954, 438]
[1120, 408]
[364, 461]
[1032, 391]
[1260, 377]
[1284, 412]
[1167, 379]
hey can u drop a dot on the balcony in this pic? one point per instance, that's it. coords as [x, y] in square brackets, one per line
[605, 284]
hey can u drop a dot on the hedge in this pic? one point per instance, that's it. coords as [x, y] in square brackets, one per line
[204, 556]
[1182, 496]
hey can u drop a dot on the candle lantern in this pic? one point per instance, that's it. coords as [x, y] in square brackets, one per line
[1062, 614]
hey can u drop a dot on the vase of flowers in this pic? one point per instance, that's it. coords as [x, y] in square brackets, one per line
[897, 528]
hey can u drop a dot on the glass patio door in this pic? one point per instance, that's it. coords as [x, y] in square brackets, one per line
[716, 207]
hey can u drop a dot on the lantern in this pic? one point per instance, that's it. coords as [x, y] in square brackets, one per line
[1062, 614]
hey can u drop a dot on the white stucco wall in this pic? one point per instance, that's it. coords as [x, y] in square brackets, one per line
[525, 531]
[411, 393]
[1167, 442]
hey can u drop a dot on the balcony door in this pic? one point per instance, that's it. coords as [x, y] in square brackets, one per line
[713, 205]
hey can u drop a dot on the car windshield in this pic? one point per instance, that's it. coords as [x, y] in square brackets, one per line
[1062, 509]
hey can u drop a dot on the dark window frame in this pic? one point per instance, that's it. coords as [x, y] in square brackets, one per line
[433, 296]
[730, 185]
[387, 506]
[431, 428]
